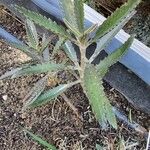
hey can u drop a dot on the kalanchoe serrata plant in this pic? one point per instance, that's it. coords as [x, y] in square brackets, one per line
[75, 33]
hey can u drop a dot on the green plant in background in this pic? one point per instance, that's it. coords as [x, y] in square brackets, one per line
[40, 141]
[89, 76]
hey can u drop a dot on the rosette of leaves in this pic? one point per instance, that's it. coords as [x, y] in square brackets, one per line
[89, 76]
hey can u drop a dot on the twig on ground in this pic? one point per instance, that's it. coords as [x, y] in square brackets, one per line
[71, 106]
[132, 145]
[133, 125]
[10, 14]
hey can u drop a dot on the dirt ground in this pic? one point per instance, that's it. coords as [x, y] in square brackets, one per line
[55, 122]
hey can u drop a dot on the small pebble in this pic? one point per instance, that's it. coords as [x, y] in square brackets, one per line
[5, 97]
[24, 115]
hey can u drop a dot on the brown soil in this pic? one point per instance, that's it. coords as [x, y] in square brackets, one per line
[111, 5]
[55, 121]
[107, 5]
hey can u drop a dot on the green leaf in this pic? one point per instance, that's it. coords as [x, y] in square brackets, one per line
[72, 28]
[90, 29]
[74, 13]
[70, 51]
[36, 91]
[9, 73]
[58, 45]
[45, 42]
[44, 22]
[40, 141]
[27, 50]
[100, 104]
[50, 95]
[68, 11]
[39, 68]
[32, 35]
[99, 147]
[115, 18]
[103, 41]
[111, 59]
[45, 47]
[79, 14]
[46, 55]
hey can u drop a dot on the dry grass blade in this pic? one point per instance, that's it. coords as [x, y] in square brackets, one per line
[71, 106]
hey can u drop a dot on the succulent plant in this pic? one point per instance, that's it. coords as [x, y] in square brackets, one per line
[90, 76]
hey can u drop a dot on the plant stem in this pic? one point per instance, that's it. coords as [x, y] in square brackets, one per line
[75, 82]
[83, 60]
